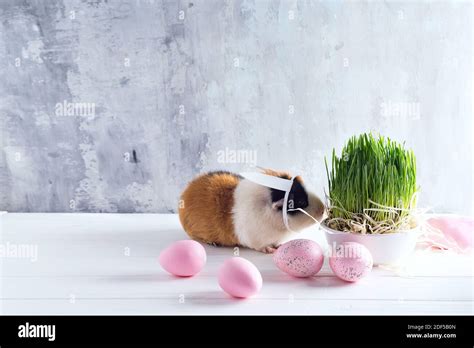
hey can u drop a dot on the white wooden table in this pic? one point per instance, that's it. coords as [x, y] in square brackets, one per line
[107, 264]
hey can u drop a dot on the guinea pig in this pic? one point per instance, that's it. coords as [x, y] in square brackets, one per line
[223, 208]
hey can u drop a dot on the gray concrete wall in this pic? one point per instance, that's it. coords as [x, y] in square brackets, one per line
[190, 86]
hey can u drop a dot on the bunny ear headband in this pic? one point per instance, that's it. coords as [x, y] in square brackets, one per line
[276, 183]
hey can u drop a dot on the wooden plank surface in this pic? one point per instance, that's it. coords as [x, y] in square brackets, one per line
[107, 264]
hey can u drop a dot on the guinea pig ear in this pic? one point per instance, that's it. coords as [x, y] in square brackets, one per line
[278, 205]
[299, 179]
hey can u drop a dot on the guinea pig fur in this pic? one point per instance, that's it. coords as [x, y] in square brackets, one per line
[223, 208]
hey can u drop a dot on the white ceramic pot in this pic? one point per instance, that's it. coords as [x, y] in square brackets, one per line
[386, 249]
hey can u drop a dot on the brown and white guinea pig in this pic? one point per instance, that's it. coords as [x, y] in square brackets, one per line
[223, 208]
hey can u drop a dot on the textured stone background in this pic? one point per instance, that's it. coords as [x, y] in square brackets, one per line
[179, 83]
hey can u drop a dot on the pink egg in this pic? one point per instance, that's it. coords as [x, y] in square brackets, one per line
[184, 258]
[239, 277]
[351, 261]
[299, 258]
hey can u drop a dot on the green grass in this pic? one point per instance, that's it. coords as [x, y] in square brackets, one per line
[370, 173]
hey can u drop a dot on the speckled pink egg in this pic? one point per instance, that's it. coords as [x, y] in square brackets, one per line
[351, 261]
[239, 277]
[184, 258]
[299, 258]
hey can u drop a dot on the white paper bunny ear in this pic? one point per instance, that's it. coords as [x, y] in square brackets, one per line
[276, 183]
